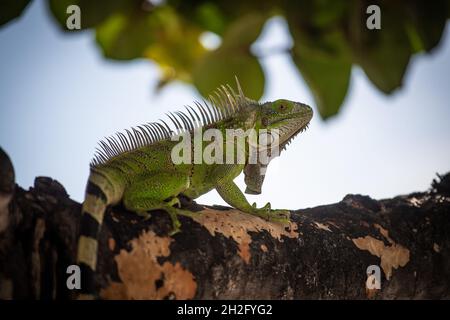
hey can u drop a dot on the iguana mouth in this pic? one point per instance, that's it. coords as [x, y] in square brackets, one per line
[287, 142]
[296, 122]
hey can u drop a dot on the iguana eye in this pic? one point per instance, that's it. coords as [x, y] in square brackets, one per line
[282, 107]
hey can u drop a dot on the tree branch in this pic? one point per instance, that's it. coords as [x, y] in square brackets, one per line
[227, 254]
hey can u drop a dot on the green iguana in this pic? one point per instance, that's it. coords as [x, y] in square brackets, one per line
[137, 169]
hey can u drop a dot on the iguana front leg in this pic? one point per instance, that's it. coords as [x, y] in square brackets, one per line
[232, 195]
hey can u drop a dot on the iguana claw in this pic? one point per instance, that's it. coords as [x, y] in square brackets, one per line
[271, 215]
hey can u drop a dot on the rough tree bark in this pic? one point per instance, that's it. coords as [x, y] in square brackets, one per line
[224, 253]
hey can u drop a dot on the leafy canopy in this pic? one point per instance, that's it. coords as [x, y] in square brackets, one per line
[329, 37]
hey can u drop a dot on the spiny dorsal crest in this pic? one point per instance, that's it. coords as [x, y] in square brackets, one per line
[223, 104]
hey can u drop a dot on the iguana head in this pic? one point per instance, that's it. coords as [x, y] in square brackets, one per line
[289, 117]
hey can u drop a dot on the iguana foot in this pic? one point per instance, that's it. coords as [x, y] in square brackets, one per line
[173, 213]
[174, 202]
[268, 214]
[144, 214]
[173, 208]
[171, 203]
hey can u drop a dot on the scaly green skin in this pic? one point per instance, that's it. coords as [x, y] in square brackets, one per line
[146, 178]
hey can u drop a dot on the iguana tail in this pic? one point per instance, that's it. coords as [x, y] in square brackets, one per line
[100, 192]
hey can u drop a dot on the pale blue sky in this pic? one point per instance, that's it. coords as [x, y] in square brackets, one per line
[58, 97]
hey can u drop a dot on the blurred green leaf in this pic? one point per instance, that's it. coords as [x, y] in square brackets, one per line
[320, 50]
[221, 66]
[425, 23]
[243, 32]
[124, 37]
[233, 58]
[176, 47]
[374, 50]
[10, 9]
[314, 15]
[211, 18]
[325, 66]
